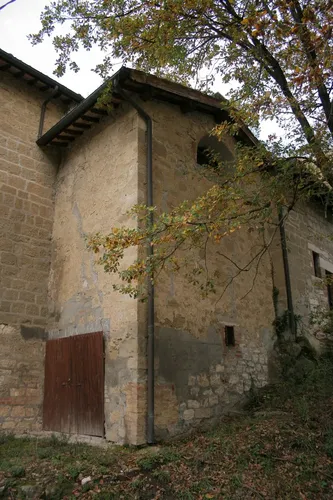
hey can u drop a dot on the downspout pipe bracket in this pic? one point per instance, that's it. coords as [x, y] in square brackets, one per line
[43, 111]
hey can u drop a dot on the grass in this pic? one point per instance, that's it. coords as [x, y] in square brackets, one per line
[281, 449]
[153, 460]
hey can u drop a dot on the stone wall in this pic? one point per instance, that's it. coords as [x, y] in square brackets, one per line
[197, 375]
[97, 184]
[100, 177]
[21, 380]
[26, 216]
[308, 231]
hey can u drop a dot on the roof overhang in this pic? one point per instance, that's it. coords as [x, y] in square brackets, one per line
[147, 86]
[36, 79]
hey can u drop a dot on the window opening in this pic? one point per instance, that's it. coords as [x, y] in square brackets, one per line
[316, 264]
[204, 157]
[229, 335]
[211, 151]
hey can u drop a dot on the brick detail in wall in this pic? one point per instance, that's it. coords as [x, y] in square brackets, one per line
[26, 208]
[26, 213]
[21, 387]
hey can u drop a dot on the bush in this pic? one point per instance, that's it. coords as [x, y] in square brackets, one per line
[58, 441]
[17, 471]
[163, 476]
[152, 461]
[73, 471]
[329, 443]
[43, 453]
[4, 438]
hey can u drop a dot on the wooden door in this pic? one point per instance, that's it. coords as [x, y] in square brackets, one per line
[74, 385]
[57, 386]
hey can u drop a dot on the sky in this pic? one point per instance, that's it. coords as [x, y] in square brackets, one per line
[22, 18]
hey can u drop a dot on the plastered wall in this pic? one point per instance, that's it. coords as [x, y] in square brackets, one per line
[97, 184]
[197, 375]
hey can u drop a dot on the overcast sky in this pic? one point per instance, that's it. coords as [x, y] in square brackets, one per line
[22, 18]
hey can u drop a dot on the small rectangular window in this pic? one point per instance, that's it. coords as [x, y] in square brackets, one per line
[316, 264]
[229, 335]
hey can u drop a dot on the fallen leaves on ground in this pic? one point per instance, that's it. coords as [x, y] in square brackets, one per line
[281, 449]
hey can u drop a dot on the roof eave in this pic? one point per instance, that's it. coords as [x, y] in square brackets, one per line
[153, 87]
[78, 111]
[36, 76]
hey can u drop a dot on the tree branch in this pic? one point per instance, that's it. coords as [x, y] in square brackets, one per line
[265, 58]
[310, 52]
[5, 5]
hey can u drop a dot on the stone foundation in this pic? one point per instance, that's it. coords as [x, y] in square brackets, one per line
[21, 381]
[205, 379]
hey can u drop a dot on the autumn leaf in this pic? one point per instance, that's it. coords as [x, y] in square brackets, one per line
[279, 53]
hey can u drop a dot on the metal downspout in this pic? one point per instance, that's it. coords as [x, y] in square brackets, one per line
[43, 110]
[291, 314]
[150, 252]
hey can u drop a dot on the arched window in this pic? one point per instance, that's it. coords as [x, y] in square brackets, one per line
[211, 151]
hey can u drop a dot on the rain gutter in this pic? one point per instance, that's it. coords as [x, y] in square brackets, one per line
[291, 313]
[43, 110]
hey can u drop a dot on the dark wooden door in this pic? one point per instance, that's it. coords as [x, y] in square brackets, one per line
[57, 386]
[74, 385]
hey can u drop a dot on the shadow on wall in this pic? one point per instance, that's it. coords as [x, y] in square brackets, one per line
[205, 377]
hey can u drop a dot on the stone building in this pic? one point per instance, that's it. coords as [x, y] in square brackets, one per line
[73, 352]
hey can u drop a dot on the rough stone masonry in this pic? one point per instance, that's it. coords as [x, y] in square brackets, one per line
[26, 217]
[209, 351]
